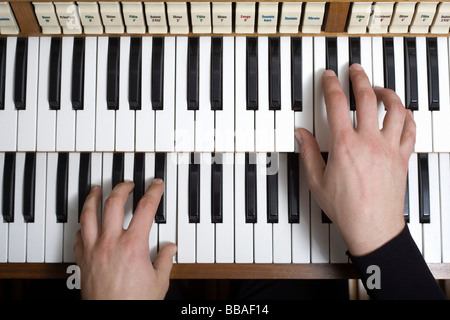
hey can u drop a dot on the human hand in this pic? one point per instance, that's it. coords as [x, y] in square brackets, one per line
[115, 263]
[362, 187]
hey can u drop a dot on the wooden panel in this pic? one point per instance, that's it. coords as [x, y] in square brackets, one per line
[336, 17]
[26, 19]
[216, 271]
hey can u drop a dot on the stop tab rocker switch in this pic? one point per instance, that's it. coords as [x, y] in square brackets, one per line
[8, 24]
[112, 17]
[423, 18]
[177, 16]
[441, 22]
[291, 13]
[359, 17]
[90, 17]
[155, 13]
[201, 17]
[46, 17]
[267, 17]
[133, 15]
[402, 17]
[381, 17]
[222, 17]
[245, 17]
[313, 17]
[69, 18]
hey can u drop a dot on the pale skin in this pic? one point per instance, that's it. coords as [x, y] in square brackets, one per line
[361, 189]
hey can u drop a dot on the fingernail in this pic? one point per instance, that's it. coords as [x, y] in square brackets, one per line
[357, 66]
[299, 137]
[174, 250]
[157, 181]
[329, 73]
[95, 188]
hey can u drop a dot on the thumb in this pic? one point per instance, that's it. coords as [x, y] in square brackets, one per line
[164, 260]
[312, 159]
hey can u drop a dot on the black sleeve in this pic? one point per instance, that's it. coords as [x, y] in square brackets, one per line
[397, 270]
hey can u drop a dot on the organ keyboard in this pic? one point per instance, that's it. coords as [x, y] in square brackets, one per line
[207, 96]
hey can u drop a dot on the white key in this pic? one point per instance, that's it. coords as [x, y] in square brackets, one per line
[65, 117]
[415, 227]
[4, 226]
[205, 228]
[225, 230]
[71, 226]
[282, 230]
[243, 231]
[128, 175]
[444, 179]
[149, 176]
[185, 127]
[378, 74]
[106, 176]
[422, 117]
[305, 118]
[53, 229]
[225, 117]
[105, 119]
[441, 129]
[26, 130]
[245, 134]
[284, 118]
[145, 118]
[186, 230]
[366, 63]
[164, 119]
[320, 237]
[8, 116]
[432, 230]
[36, 230]
[399, 68]
[262, 229]
[124, 116]
[96, 176]
[204, 117]
[321, 130]
[18, 229]
[343, 64]
[301, 232]
[167, 232]
[264, 118]
[85, 132]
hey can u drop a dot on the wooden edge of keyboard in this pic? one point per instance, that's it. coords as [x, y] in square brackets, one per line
[217, 271]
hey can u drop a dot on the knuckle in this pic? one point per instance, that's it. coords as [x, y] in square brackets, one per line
[112, 201]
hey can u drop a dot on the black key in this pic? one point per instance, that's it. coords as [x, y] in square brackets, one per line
[29, 183]
[20, 76]
[9, 178]
[62, 185]
[194, 190]
[216, 73]
[138, 178]
[406, 206]
[433, 75]
[216, 192]
[272, 193]
[117, 169]
[112, 89]
[250, 188]
[134, 81]
[331, 54]
[325, 218]
[160, 169]
[293, 187]
[411, 92]
[354, 57]
[424, 188]
[54, 83]
[296, 74]
[274, 74]
[2, 72]
[252, 73]
[389, 63]
[84, 180]
[157, 73]
[78, 74]
[193, 73]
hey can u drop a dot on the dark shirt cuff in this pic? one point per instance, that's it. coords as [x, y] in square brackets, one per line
[397, 270]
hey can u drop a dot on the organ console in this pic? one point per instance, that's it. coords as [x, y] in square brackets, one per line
[206, 95]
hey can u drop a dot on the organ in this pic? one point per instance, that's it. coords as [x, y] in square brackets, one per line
[207, 95]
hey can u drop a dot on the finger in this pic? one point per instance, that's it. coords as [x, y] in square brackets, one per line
[395, 114]
[408, 137]
[89, 216]
[78, 248]
[365, 99]
[312, 159]
[164, 260]
[144, 214]
[338, 114]
[113, 213]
